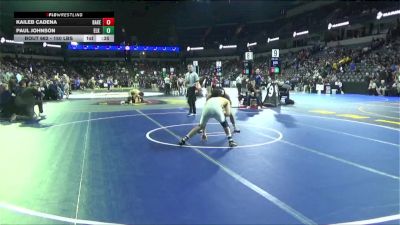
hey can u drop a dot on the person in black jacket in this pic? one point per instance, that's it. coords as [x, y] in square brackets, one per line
[254, 93]
[26, 99]
[7, 108]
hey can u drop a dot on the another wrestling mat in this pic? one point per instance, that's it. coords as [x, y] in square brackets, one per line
[122, 102]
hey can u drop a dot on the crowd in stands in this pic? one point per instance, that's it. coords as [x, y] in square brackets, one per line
[376, 64]
[82, 74]
[49, 76]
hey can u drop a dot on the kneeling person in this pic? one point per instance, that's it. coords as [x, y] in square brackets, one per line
[135, 96]
[27, 98]
[218, 108]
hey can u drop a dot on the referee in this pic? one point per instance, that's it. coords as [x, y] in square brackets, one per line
[239, 83]
[192, 80]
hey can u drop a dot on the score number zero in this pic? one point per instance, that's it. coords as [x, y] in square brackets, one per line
[106, 30]
[108, 22]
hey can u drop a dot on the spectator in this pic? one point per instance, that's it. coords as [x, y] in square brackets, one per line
[6, 102]
[167, 83]
[381, 89]
[372, 87]
[339, 85]
[253, 93]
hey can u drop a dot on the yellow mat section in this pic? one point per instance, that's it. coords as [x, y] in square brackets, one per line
[353, 116]
[176, 101]
[388, 121]
[320, 111]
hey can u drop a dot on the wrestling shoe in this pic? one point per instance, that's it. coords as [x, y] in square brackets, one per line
[232, 143]
[182, 142]
[236, 130]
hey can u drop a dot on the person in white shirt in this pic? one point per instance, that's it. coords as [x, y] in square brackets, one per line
[381, 89]
[65, 81]
[167, 83]
[372, 88]
[339, 86]
[396, 87]
[217, 108]
[239, 83]
[181, 85]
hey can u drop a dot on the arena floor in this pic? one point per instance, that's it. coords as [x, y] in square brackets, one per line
[325, 160]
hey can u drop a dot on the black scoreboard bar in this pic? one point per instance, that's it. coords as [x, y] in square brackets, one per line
[64, 26]
[63, 14]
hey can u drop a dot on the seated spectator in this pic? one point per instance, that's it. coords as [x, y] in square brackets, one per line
[394, 90]
[338, 86]
[372, 87]
[26, 100]
[53, 91]
[284, 92]
[214, 82]
[77, 84]
[352, 66]
[381, 89]
[253, 93]
[6, 102]
[92, 83]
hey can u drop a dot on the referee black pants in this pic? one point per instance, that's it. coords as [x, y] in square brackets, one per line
[167, 89]
[239, 88]
[191, 95]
